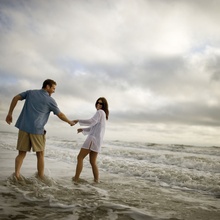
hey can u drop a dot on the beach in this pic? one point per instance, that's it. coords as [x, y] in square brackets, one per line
[119, 195]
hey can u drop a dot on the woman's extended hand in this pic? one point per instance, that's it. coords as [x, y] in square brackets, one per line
[79, 130]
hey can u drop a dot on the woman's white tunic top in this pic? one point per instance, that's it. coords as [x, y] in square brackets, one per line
[95, 131]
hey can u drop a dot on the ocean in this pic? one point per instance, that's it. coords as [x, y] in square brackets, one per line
[137, 181]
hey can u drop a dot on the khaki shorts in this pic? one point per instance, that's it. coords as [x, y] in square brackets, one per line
[27, 141]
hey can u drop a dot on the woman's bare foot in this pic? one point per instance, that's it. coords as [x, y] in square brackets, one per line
[75, 180]
[18, 178]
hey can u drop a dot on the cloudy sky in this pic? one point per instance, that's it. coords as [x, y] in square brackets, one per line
[157, 62]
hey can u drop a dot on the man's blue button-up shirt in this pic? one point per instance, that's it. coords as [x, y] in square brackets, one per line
[36, 110]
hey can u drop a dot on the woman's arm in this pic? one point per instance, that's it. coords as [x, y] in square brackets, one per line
[92, 121]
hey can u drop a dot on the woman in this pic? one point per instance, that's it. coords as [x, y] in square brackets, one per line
[93, 142]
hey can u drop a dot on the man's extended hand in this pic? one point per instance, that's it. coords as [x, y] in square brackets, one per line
[9, 119]
[72, 123]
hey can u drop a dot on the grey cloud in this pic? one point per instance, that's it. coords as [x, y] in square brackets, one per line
[155, 61]
[184, 113]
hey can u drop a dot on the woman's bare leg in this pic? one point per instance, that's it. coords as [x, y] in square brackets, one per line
[82, 154]
[93, 156]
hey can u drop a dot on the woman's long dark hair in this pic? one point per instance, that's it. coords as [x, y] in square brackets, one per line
[104, 106]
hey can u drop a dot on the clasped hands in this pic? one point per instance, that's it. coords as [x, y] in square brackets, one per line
[72, 123]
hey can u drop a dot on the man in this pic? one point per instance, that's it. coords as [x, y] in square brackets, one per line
[33, 117]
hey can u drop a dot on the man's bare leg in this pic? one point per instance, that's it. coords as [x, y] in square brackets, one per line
[40, 164]
[18, 163]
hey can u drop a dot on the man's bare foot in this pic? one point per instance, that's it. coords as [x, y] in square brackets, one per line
[39, 177]
[96, 181]
[45, 179]
[76, 182]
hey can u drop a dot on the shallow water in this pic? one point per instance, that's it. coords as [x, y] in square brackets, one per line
[176, 166]
[63, 199]
[138, 181]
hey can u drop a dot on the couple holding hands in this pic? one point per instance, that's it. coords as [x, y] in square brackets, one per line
[33, 117]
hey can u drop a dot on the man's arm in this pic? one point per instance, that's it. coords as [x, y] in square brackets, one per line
[64, 118]
[11, 109]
